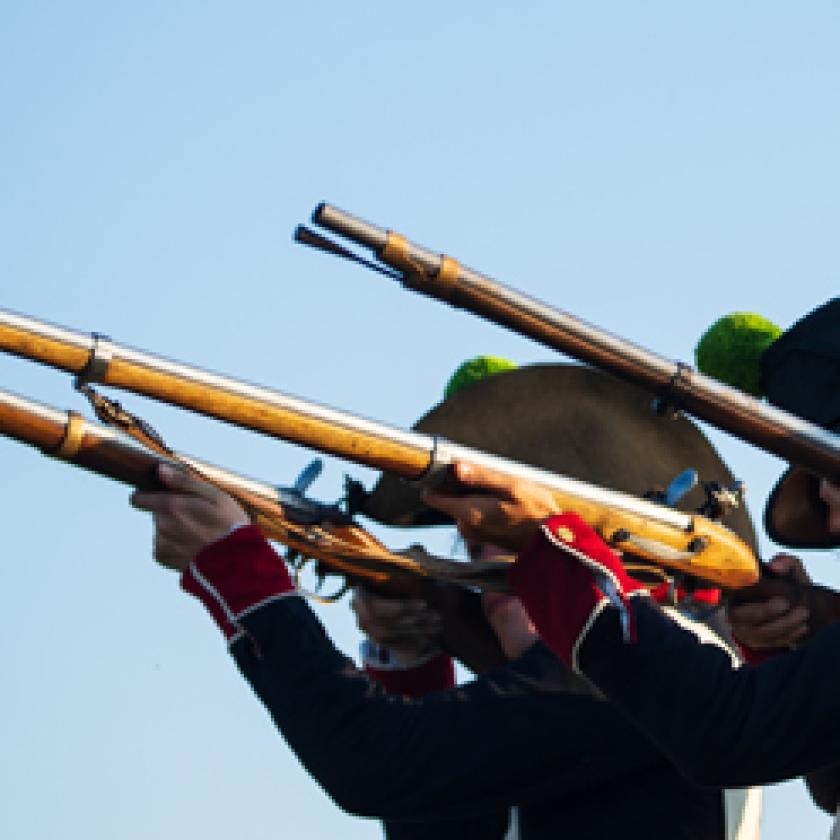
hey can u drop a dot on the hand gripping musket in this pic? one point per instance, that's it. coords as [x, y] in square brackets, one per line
[675, 384]
[685, 542]
[311, 530]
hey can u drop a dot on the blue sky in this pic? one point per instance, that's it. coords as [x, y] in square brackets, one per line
[646, 166]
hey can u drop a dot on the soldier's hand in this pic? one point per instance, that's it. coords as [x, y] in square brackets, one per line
[498, 509]
[189, 515]
[409, 628]
[776, 622]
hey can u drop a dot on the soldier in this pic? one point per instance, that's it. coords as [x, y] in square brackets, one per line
[530, 733]
[720, 725]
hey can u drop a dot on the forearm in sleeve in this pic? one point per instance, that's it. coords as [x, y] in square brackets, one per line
[720, 724]
[462, 752]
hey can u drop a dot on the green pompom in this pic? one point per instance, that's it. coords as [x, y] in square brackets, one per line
[474, 369]
[731, 349]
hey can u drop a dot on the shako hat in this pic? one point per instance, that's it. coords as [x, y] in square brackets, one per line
[798, 371]
[569, 419]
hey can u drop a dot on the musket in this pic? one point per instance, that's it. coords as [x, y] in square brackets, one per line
[676, 385]
[686, 542]
[312, 530]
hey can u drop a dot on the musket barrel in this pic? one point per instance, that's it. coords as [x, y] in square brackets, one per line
[362, 441]
[47, 343]
[483, 296]
[44, 427]
[776, 431]
[260, 409]
[352, 227]
[102, 449]
[31, 422]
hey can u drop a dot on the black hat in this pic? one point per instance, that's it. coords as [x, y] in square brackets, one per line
[800, 373]
[568, 419]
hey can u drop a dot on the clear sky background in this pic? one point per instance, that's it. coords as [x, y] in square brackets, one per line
[647, 166]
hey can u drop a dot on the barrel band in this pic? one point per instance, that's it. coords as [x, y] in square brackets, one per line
[396, 252]
[96, 369]
[74, 434]
[448, 275]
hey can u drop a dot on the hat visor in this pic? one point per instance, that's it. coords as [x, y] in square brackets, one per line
[795, 515]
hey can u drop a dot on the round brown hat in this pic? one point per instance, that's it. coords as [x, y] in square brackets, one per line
[801, 373]
[568, 419]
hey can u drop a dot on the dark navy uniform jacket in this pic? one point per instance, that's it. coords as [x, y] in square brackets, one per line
[719, 723]
[532, 734]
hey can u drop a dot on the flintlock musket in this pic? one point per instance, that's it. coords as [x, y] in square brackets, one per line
[310, 529]
[676, 384]
[685, 542]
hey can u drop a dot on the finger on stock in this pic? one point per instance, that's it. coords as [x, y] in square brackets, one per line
[784, 630]
[796, 619]
[783, 624]
[169, 558]
[170, 527]
[482, 478]
[759, 612]
[453, 506]
[178, 478]
[775, 631]
[179, 506]
[152, 501]
[468, 480]
[163, 548]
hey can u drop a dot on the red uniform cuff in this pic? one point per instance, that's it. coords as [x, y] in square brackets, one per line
[565, 577]
[436, 674]
[235, 575]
